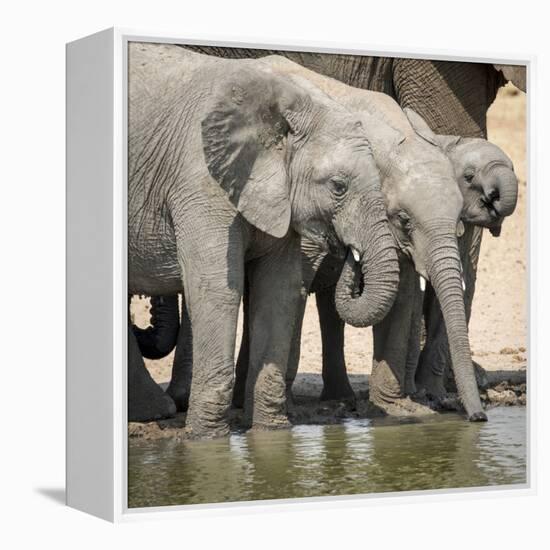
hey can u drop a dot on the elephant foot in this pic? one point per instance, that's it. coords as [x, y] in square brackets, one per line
[147, 401]
[290, 402]
[411, 389]
[403, 406]
[180, 398]
[205, 426]
[432, 385]
[339, 392]
[279, 422]
[208, 412]
[196, 432]
[384, 388]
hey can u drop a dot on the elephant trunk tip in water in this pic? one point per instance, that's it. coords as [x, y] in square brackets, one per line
[444, 272]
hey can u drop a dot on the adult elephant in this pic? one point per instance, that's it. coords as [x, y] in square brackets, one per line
[229, 162]
[453, 98]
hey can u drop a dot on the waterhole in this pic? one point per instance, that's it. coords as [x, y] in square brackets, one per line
[354, 457]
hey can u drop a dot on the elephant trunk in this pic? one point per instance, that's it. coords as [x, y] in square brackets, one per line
[369, 279]
[502, 192]
[500, 195]
[445, 273]
[158, 340]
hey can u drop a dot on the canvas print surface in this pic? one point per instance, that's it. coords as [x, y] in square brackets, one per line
[327, 274]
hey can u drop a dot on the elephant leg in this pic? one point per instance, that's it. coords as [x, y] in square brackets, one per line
[434, 373]
[214, 315]
[241, 368]
[336, 383]
[274, 283]
[295, 346]
[391, 341]
[413, 351]
[182, 368]
[213, 289]
[146, 400]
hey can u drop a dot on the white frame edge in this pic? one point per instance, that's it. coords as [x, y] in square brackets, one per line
[106, 441]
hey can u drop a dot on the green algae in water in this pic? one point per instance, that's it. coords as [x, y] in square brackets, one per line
[354, 457]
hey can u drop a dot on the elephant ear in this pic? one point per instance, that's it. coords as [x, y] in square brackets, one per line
[447, 143]
[516, 74]
[244, 141]
[420, 126]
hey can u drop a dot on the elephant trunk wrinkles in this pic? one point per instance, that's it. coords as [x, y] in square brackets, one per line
[445, 273]
[364, 296]
[158, 340]
[506, 190]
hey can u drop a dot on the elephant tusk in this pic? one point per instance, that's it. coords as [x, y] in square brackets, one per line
[356, 255]
[463, 285]
[422, 283]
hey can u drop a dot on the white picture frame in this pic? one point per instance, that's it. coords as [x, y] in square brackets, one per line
[97, 439]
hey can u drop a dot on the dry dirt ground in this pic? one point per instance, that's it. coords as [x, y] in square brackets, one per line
[498, 327]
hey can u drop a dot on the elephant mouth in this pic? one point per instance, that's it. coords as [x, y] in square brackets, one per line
[325, 239]
[483, 213]
[489, 205]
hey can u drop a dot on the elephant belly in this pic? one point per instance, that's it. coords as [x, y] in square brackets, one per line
[153, 266]
[164, 280]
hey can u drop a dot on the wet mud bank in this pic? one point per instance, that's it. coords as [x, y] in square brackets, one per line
[502, 389]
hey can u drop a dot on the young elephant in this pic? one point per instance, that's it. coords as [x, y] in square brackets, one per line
[424, 206]
[489, 186]
[229, 162]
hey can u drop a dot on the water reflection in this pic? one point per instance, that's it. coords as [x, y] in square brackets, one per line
[354, 457]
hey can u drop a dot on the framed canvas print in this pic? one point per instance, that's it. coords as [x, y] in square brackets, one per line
[295, 272]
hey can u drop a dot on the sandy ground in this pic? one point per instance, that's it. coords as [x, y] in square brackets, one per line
[498, 328]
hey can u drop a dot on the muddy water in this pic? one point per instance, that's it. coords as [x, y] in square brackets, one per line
[357, 456]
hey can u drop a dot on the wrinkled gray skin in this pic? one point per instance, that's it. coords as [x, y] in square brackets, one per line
[230, 161]
[424, 205]
[489, 188]
[452, 97]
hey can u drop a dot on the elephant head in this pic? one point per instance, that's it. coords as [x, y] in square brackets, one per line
[486, 179]
[289, 156]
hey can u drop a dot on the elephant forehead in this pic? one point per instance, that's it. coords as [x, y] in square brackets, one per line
[482, 152]
[424, 196]
[337, 124]
[415, 161]
[353, 158]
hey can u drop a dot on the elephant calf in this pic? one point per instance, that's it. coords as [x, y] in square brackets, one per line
[230, 161]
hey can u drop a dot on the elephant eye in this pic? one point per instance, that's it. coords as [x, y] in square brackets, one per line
[404, 220]
[469, 177]
[338, 186]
